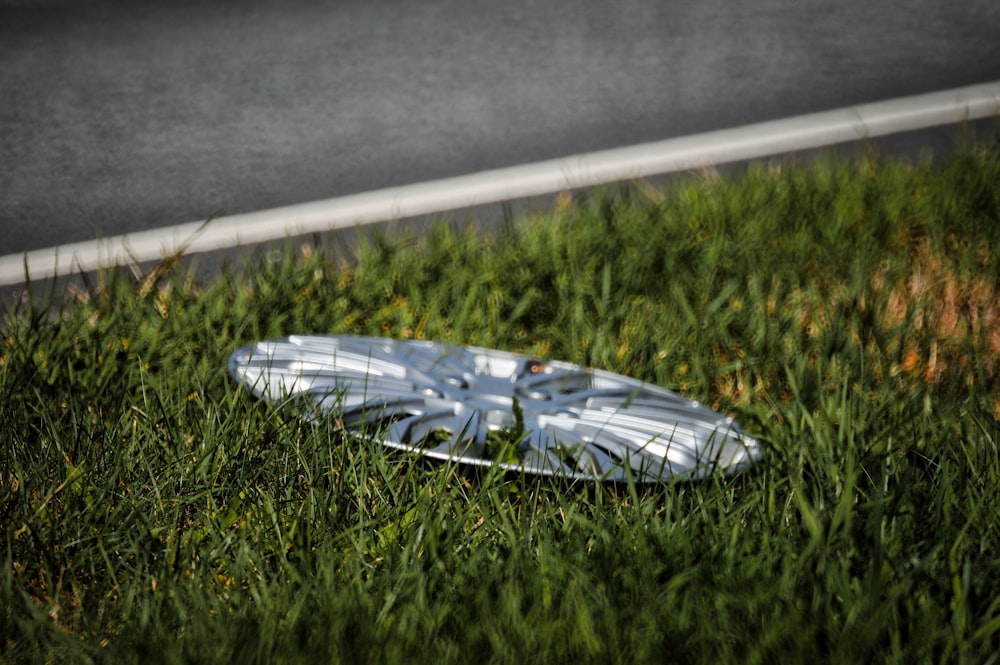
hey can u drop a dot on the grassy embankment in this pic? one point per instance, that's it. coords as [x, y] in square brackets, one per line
[847, 313]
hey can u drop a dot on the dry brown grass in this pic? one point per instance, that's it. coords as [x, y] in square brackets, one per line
[950, 317]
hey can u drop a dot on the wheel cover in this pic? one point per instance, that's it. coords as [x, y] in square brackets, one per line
[484, 407]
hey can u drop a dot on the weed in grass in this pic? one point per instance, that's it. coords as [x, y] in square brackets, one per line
[507, 445]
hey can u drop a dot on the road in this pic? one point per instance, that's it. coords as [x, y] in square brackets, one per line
[125, 115]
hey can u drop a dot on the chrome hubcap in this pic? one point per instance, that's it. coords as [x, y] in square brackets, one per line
[484, 407]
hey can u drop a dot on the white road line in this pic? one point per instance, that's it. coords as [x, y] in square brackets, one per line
[548, 177]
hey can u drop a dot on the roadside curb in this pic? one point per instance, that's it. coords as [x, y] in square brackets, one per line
[754, 141]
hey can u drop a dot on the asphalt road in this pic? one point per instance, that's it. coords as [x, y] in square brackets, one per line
[125, 115]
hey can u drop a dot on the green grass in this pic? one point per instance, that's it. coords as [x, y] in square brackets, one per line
[847, 313]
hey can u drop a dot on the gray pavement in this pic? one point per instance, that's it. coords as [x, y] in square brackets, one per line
[128, 115]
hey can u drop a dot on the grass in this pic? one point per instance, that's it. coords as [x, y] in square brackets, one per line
[846, 312]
